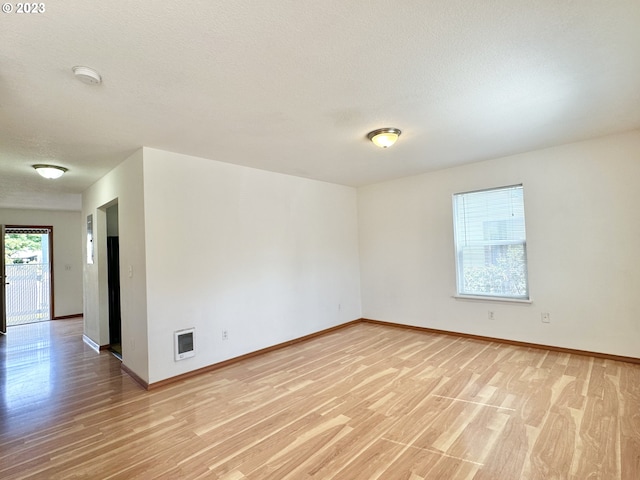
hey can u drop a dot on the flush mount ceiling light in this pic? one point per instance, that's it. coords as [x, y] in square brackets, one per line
[50, 171]
[87, 75]
[384, 137]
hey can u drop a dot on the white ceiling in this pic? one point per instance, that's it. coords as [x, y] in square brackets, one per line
[294, 86]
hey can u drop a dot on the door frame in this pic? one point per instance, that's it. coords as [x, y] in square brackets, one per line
[3, 287]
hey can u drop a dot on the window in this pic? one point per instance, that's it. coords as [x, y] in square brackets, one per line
[491, 253]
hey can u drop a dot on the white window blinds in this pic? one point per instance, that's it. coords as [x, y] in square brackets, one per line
[490, 241]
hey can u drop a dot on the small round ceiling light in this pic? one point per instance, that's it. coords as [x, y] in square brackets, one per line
[50, 171]
[384, 137]
[87, 75]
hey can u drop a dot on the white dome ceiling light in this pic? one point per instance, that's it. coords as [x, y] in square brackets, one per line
[384, 137]
[50, 171]
[87, 75]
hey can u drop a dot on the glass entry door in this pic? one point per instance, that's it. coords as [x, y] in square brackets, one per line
[3, 284]
[27, 259]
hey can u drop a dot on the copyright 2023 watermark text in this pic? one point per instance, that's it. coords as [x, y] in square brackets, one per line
[26, 8]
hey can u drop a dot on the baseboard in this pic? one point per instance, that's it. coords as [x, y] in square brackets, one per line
[94, 345]
[134, 376]
[216, 366]
[516, 343]
[66, 317]
[91, 343]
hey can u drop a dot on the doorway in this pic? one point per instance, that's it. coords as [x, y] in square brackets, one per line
[113, 281]
[28, 296]
[113, 274]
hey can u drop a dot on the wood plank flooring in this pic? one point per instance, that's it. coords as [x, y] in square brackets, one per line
[363, 402]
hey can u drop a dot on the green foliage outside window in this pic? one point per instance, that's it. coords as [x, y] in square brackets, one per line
[19, 243]
[505, 275]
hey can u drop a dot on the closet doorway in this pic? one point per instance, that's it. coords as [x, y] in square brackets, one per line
[113, 278]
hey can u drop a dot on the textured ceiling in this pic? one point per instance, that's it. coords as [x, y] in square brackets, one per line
[294, 87]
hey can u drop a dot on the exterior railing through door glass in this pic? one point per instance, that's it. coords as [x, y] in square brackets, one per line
[28, 293]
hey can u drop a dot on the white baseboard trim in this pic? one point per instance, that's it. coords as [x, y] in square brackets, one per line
[91, 343]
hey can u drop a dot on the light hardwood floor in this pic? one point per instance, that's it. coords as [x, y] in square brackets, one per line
[363, 402]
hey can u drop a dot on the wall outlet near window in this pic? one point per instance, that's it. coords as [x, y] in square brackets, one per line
[225, 334]
[490, 315]
[546, 317]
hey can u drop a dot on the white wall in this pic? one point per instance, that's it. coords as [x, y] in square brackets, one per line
[123, 184]
[66, 253]
[583, 243]
[268, 257]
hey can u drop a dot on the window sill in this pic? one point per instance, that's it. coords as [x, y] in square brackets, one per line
[492, 299]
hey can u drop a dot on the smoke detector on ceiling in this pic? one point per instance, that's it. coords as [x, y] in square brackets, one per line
[87, 75]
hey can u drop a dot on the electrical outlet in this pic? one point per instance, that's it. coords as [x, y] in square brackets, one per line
[225, 335]
[490, 315]
[546, 318]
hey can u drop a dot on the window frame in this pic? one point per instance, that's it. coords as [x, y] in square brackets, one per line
[459, 251]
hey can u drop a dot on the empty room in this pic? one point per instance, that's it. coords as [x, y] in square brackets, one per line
[340, 240]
